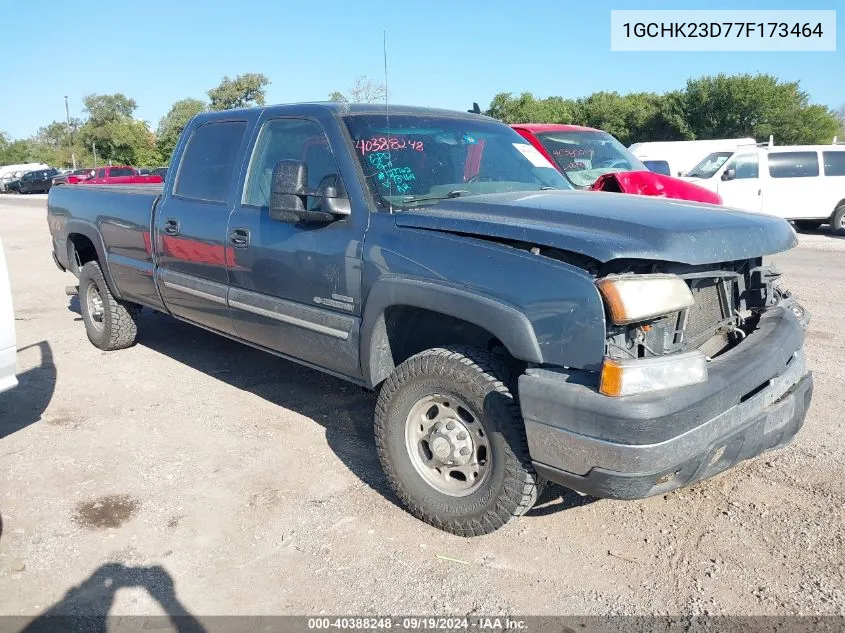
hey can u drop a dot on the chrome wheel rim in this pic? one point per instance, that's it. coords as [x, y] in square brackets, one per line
[95, 307]
[447, 445]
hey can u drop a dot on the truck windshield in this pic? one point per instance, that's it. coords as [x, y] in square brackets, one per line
[419, 158]
[585, 155]
[710, 165]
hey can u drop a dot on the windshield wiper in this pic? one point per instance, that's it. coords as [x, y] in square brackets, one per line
[455, 193]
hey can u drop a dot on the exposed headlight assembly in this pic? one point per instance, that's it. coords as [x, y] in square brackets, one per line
[635, 298]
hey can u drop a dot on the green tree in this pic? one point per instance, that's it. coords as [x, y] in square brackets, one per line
[13, 152]
[527, 109]
[104, 109]
[171, 125]
[760, 105]
[629, 117]
[240, 92]
[118, 137]
[635, 116]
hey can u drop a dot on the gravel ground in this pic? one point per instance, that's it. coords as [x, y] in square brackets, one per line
[194, 471]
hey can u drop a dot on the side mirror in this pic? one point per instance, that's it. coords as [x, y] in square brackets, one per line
[287, 190]
[729, 174]
[289, 195]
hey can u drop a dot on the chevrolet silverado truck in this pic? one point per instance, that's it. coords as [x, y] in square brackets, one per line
[517, 331]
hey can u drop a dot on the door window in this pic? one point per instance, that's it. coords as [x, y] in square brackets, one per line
[793, 164]
[290, 139]
[208, 164]
[101, 173]
[746, 166]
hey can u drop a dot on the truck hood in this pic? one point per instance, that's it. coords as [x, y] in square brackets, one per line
[608, 226]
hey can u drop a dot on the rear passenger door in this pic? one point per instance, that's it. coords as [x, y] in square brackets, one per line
[191, 222]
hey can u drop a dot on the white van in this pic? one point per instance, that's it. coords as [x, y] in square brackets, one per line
[8, 350]
[675, 158]
[803, 183]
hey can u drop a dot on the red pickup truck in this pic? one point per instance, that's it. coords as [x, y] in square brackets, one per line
[120, 175]
[593, 159]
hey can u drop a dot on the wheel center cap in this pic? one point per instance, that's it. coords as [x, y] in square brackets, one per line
[440, 446]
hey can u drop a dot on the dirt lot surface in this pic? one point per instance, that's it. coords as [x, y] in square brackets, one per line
[245, 484]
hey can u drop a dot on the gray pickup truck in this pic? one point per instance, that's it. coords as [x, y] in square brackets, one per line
[517, 331]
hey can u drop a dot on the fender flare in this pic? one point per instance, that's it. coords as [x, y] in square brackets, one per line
[83, 227]
[505, 322]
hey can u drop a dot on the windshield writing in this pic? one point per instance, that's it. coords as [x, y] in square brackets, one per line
[585, 155]
[421, 158]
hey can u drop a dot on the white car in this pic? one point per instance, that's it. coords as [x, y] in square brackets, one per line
[8, 349]
[802, 183]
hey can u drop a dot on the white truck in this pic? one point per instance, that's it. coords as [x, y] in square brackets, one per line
[8, 350]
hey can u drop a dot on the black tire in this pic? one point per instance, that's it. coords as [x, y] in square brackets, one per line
[112, 326]
[807, 225]
[509, 486]
[837, 221]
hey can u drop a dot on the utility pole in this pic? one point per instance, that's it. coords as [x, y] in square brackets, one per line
[94, 149]
[70, 131]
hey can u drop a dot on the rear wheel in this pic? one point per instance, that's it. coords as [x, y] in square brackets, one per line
[451, 440]
[807, 225]
[110, 324]
[837, 221]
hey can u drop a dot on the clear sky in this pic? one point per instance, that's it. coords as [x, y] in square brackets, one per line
[440, 53]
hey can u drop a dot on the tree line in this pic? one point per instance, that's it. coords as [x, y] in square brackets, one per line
[109, 133]
[710, 107]
[719, 106]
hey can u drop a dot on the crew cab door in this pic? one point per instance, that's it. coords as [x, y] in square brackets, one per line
[296, 287]
[739, 184]
[191, 221]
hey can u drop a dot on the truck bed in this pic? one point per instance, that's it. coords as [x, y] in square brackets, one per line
[117, 219]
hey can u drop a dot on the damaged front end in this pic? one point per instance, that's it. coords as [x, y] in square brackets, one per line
[727, 302]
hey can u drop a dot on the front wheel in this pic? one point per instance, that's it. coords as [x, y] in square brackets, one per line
[110, 324]
[451, 440]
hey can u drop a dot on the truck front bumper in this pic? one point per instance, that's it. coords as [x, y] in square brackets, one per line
[755, 399]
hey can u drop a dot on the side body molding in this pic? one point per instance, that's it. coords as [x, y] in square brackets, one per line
[505, 322]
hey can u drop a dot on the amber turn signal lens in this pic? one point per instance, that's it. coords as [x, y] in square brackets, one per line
[611, 378]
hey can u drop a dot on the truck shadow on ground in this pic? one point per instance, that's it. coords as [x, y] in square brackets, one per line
[25, 404]
[344, 410]
[822, 230]
[85, 607]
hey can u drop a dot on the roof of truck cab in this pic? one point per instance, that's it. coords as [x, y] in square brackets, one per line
[341, 109]
[553, 127]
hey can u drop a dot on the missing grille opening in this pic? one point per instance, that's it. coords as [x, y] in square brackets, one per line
[755, 391]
